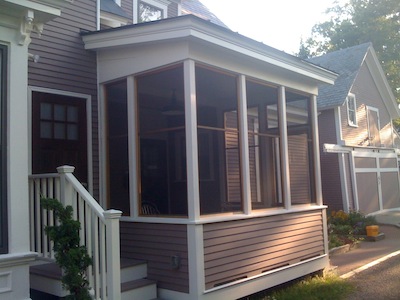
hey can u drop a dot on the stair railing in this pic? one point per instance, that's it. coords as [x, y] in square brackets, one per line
[99, 231]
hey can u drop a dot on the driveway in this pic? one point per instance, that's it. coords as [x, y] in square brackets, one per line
[380, 282]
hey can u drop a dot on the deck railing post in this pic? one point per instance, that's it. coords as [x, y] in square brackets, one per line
[113, 253]
[66, 190]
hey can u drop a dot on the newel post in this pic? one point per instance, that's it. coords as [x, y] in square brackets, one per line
[66, 192]
[112, 217]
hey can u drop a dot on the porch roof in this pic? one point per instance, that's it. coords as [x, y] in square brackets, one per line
[190, 27]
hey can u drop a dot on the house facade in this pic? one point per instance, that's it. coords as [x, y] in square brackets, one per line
[20, 20]
[359, 161]
[204, 140]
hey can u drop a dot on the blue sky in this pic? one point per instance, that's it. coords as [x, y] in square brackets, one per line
[277, 23]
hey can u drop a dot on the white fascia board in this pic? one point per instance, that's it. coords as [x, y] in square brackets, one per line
[187, 27]
[382, 84]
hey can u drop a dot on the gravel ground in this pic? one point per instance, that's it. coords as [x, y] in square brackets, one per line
[380, 282]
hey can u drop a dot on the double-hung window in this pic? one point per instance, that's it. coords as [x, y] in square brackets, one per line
[3, 152]
[351, 110]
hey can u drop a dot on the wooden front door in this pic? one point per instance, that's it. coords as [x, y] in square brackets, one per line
[59, 134]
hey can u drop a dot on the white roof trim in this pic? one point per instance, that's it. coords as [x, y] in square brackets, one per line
[191, 27]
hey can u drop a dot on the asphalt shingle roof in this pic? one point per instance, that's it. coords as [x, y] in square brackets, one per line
[111, 7]
[197, 8]
[345, 62]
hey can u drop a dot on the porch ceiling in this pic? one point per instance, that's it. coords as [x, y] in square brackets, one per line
[191, 28]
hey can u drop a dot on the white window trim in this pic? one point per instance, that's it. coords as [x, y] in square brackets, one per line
[160, 4]
[349, 121]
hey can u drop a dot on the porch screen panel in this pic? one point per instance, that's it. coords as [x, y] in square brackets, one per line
[218, 141]
[162, 143]
[300, 148]
[117, 147]
[263, 132]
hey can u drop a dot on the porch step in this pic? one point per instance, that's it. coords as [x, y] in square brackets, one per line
[46, 277]
[143, 289]
[132, 269]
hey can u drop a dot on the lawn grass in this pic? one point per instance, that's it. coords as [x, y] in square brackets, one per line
[329, 287]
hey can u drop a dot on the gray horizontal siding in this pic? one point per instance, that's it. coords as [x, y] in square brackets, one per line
[242, 249]
[64, 63]
[156, 243]
[330, 172]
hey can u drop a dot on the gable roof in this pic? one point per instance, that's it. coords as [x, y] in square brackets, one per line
[195, 7]
[345, 62]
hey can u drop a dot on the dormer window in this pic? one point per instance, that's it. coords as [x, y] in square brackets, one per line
[351, 110]
[150, 10]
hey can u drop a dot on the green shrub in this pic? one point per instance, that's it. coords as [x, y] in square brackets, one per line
[72, 258]
[344, 228]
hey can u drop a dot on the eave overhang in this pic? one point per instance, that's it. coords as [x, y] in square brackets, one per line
[189, 27]
[45, 10]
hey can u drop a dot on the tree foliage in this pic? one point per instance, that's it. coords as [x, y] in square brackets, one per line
[70, 255]
[356, 22]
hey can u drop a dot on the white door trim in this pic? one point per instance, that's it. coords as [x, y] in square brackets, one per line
[88, 100]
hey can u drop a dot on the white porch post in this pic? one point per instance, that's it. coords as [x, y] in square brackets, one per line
[113, 253]
[66, 191]
[191, 141]
[244, 144]
[284, 151]
[194, 231]
[133, 143]
[316, 156]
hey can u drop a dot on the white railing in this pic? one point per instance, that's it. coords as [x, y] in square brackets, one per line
[99, 229]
